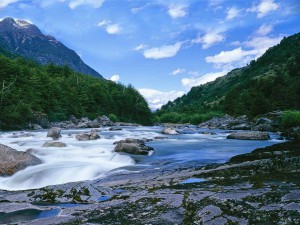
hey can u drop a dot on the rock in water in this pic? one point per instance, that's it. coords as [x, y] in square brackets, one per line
[54, 144]
[86, 136]
[133, 146]
[11, 160]
[249, 135]
[169, 130]
[54, 132]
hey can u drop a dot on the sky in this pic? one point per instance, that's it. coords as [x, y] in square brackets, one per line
[162, 47]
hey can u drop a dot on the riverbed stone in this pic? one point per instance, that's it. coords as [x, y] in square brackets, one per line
[170, 131]
[11, 160]
[86, 136]
[249, 135]
[54, 133]
[56, 144]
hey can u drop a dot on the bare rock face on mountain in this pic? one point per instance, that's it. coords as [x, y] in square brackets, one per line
[11, 160]
[25, 39]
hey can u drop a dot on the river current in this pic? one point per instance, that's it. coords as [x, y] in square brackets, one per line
[87, 160]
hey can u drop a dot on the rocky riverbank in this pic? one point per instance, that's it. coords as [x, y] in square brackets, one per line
[261, 187]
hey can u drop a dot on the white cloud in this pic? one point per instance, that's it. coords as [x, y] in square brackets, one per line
[264, 30]
[196, 81]
[232, 13]
[93, 3]
[103, 23]
[178, 71]
[113, 29]
[115, 78]
[157, 98]
[229, 56]
[209, 39]
[140, 47]
[261, 44]
[264, 8]
[164, 51]
[4, 3]
[177, 11]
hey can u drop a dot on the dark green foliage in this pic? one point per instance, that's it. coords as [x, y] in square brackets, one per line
[27, 88]
[272, 82]
[290, 119]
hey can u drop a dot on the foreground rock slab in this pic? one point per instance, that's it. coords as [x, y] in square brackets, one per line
[261, 187]
[249, 135]
[11, 160]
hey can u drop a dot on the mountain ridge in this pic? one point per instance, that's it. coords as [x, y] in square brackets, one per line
[25, 39]
[272, 82]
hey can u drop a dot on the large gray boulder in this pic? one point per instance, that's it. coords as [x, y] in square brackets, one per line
[249, 135]
[86, 136]
[169, 130]
[54, 133]
[132, 146]
[11, 160]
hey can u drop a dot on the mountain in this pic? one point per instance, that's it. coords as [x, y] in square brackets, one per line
[25, 39]
[272, 82]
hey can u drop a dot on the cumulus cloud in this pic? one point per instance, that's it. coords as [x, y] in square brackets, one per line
[209, 39]
[177, 11]
[229, 56]
[232, 13]
[157, 98]
[4, 3]
[115, 78]
[178, 71]
[165, 51]
[264, 30]
[261, 44]
[264, 8]
[93, 3]
[113, 29]
[196, 81]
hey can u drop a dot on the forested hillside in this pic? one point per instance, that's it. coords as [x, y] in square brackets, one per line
[28, 89]
[272, 82]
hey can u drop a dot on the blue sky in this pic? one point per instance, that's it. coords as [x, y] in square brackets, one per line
[162, 47]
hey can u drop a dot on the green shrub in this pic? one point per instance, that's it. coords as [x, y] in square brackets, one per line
[113, 117]
[290, 118]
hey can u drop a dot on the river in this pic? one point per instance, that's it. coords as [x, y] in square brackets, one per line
[87, 160]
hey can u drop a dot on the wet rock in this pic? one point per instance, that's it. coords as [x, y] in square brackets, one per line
[21, 135]
[86, 136]
[54, 133]
[208, 133]
[54, 144]
[160, 138]
[227, 122]
[114, 128]
[249, 135]
[11, 160]
[132, 146]
[169, 130]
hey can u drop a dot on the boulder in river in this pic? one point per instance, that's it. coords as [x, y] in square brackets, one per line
[169, 130]
[86, 136]
[249, 135]
[54, 132]
[56, 144]
[133, 146]
[11, 160]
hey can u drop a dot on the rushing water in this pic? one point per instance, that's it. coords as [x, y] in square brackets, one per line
[87, 160]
